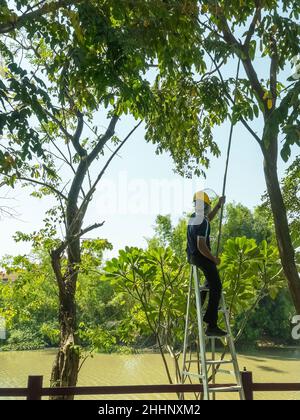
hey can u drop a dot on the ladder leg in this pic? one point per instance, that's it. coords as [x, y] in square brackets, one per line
[186, 332]
[213, 357]
[232, 348]
[202, 361]
[201, 334]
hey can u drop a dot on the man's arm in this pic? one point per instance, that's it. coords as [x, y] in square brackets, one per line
[214, 212]
[204, 250]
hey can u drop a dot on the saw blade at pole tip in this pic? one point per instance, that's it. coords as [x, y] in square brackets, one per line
[211, 193]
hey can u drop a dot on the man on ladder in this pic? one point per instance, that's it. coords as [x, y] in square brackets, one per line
[199, 254]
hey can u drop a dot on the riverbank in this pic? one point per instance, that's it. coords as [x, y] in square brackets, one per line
[262, 345]
[154, 350]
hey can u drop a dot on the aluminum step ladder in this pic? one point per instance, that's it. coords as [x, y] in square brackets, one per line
[203, 363]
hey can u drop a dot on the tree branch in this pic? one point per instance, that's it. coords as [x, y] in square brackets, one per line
[251, 30]
[17, 22]
[216, 70]
[75, 237]
[63, 158]
[228, 35]
[243, 53]
[253, 78]
[243, 50]
[103, 139]
[76, 137]
[273, 71]
[56, 266]
[86, 161]
[243, 121]
[44, 184]
[60, 124]
[73, 138]
[206, 26]
[85, 202]
[285, 103]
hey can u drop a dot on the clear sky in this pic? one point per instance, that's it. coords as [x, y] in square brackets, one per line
[139, 184]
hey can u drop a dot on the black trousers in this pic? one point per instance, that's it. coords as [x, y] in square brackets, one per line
[213, 282]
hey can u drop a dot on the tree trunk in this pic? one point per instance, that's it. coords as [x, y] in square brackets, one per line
[66, 365]
[286, 250]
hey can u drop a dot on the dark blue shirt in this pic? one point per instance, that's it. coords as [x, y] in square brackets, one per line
[193, 231]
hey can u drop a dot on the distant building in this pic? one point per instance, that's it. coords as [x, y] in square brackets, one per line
[5, 278]
[2, 329]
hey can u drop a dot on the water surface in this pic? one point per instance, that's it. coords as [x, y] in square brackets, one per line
[146, 369]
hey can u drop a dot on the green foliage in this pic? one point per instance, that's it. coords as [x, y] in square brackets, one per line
[168, 235]
[249, 272]
[250, 266]
[240, 221]
[157, 281]
[50, 333]
[138, 299]
[24, 339]
[30, 303]
[175, 122]
[95, 300]
[291, 191]
[96, 56]
[92, 253]
[270, 322]
[138, 58]
[268, 30]
[100, 340]
[47, 237]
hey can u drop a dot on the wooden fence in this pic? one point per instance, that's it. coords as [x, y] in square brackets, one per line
[35, 389]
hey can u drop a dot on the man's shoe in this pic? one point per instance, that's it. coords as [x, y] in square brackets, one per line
[215, 332]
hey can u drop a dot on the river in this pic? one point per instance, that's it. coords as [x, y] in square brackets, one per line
[114, 369]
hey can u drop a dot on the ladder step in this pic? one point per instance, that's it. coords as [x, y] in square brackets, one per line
[197, 375]
[217, 337]
[226, 389]
[203, 289]
[211, 362]
[219, 362]
[223, 310]
[227, 372]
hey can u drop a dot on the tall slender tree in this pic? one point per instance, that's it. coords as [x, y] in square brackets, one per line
[59, 69]
[235, 29]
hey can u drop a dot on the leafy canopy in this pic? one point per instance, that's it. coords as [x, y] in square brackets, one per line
[101, 55]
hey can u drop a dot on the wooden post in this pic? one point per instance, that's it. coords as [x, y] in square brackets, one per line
[35, 386]
[247, 381]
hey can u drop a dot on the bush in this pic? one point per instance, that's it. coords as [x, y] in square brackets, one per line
[23, 339]
[270, 321]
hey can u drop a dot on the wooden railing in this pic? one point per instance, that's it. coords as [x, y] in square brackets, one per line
[35, 389]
